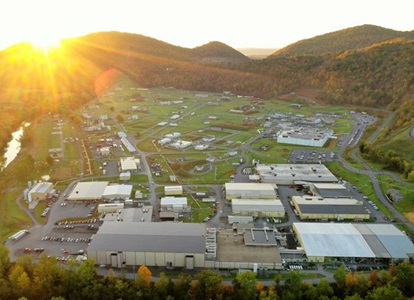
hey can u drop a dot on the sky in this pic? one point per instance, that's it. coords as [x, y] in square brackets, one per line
[192, 23]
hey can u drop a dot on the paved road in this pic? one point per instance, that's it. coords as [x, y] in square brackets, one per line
[373, 174]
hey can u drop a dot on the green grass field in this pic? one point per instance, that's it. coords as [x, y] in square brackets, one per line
[198, 115]
[406, 205]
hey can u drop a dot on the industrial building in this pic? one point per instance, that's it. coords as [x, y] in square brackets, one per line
[88, 191]
[40, 191]
[317, 208]
[175, 204]
[110, 207]
[330, 190]
[171, 244]
[258, 208]
[353, 242]
[117, 191]
[289, 174]
[173, 190]
[129, 164]
[314, 137]
[250, 191]
[123, 214]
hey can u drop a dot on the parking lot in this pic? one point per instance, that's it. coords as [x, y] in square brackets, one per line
[70, 226]
[312, 156]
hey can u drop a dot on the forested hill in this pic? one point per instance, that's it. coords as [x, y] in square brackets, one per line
[342, 40]
[32, 82]
[135, 43]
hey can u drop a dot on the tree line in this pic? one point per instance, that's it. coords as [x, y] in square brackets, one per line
[390, 159]
[46, 279]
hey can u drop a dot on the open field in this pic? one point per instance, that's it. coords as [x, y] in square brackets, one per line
[12, 217]
[406, 205]
[198, 115]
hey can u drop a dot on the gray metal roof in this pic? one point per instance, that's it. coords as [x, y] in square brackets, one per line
[88, 190]
[332, 240]
[335, 193]
[150, 237]
[374, 243]
[257, 205]
[332, 209]
[354, 240]
[259, 237]
[397, 243]
[148, 243]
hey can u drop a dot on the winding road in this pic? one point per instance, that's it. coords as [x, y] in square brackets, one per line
[373, 174]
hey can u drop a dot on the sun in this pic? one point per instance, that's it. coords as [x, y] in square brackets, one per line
[45, 42]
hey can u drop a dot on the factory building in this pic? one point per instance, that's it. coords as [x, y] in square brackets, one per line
[117, 191]
[358, 242]
[289, 174]
[129, 164]
[317, 208]
[40, 191]
[88, 191]
[119, 244]
[312, 137]
[250, 191]
[258, 208]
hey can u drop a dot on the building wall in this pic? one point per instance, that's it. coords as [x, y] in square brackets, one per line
[147, 258]
[38, 196]
[274, 214]
[297, 141]
[333, 216]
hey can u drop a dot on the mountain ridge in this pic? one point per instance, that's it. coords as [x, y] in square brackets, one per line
[346, 39]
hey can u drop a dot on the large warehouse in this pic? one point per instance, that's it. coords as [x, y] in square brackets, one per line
[151, 244]
[330, 190]
[317, 208]
[88, 191]
[250, 191]
[354, 242]
[314, 137]
[258, 208]
[117, 191]
[295, 173]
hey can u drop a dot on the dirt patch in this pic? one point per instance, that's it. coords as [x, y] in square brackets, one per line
[309, 93]
[410, 217]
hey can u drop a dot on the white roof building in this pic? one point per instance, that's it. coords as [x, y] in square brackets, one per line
[258, 208]
[128, 145]
[39, 191]
[180, 144]
[291, 173]
[250, 191]
[171, 190]
[321, 240]
[117, 191]
[88, 191]
[164, 141]
[129, 164]
[173, 135]
[173, 203]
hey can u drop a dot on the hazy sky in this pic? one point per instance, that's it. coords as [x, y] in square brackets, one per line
[190, 23]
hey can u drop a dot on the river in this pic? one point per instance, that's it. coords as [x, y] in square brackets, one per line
[13, 147]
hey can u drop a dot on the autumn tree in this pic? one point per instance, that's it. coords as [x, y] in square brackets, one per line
[143, 283]
[404, 278]
[293, 286]
[340, 276]
[163, 286]
[208, 285]
[245, 285]
[182, 286]
[4, 258]
[144, 276]
[386, 292]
